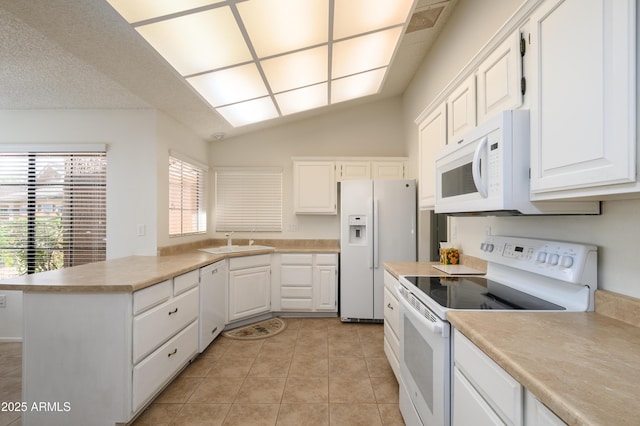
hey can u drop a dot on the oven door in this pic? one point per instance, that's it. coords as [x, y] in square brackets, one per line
[425, 363]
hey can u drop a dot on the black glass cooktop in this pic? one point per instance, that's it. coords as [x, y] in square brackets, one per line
[478, 293]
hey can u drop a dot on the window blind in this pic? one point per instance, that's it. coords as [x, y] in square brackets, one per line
[187, 213]
[52, 210]
[248, 200]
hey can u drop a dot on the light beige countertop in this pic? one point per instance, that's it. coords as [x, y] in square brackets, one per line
[585, 367]
[133, 273]
[426, 268]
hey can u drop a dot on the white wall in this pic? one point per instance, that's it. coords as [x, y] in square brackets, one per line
[370, 130]
[615, 232]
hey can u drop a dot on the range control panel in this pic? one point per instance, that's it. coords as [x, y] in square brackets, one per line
[557, 259]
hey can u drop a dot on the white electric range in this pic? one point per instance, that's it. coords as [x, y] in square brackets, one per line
[522, 274]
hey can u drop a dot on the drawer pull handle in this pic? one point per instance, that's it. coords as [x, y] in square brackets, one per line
[389, 306]
[174, 311]
[173, 353]
[214, 330]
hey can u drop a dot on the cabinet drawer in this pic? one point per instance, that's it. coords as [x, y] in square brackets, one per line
[151, 296]
[296, 304]
[184, 282]
[160, 366]
[326, 259]
[296, 292]
[296, 275]
[501, 391]
[156, 326]
[392, 356]
[249, 261]
[468, 406]
[391, 311]
[391, 283]
[296, 259]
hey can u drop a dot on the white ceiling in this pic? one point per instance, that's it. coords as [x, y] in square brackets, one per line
[81, 54]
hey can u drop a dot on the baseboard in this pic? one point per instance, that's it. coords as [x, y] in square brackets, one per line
[10, 339]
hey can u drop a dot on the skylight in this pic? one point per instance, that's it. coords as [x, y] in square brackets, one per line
[254, 60]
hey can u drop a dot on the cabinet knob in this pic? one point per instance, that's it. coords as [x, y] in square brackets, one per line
[214, 330]
[175, 351]
[174, 311]
[389, 306]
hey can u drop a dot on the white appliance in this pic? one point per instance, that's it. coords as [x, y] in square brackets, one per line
[377, 225]
[522, 274]
[487, 172]
[213, 302]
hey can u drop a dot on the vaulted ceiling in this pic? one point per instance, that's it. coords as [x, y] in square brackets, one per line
[81, 54]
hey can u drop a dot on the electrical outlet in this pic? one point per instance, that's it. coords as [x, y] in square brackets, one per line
[3, 301]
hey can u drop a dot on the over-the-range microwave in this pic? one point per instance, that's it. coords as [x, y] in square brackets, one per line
[487, 173]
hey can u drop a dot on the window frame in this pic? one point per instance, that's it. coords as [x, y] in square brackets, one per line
[187, 167]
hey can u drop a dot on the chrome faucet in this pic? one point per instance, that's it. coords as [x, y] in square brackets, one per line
[228, 235]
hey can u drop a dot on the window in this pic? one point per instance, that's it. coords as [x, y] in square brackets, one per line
[52, 210]
[187, 214]
[248, 200]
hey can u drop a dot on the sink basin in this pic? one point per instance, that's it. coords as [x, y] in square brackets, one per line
[233, 249]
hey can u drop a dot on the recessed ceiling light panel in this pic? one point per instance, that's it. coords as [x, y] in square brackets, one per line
[357, 86]
[364, 53]
[230, 85]
[140, 10]
[249, 112]
[198, 42]
[302, 99]
[278, 26]
[352, 17]
[298, 69]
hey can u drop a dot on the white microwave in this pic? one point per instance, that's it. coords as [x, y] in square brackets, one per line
[487, 173]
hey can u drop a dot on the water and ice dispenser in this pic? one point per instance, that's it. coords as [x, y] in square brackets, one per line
[357, 229]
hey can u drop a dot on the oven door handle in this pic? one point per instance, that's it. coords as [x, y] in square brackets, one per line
[434, 325]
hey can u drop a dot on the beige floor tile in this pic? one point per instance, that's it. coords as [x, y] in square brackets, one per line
[10, 366]
[303, 365]
[303, 415]
[390, 415]
[10, 417]
[270, 367]
[379, 367]
[216, 390]
[261, 390]
[354, 415]
[318, 350]
[351, 390]
[288, 335]
[217, 348]
[10, 389]
[11, 349]
[201, 415]
[278, 349]
[348, 367]
[158, 414]
[244, 348]
[385, 389]
[252, 414]
[231, 366]
[179, 390]
[343, 348]
[306, 389]
[373, 348]
[200, 367]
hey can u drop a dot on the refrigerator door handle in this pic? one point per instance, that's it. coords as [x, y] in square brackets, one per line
[376, 234]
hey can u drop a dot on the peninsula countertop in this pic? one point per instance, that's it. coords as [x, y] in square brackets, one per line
[132, 273]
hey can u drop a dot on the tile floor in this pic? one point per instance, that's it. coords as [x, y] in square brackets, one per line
[319, 371]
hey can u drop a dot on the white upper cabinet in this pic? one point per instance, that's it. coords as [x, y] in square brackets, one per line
[353, 170]
[382, 168]
[314, 187]
[461, 109]
[388, 169]
[583, 101]
[432, 136]
[498, 79]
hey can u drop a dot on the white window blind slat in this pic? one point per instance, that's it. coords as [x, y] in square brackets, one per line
[248, 200]
[52, 210]
[187, 214]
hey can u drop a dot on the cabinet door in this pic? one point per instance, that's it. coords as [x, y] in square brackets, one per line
[249, 292]
[468, 407]
[432, 137]
[536, 414]
[387, 169]
[461, 110]
[583, 107]
[325, 288]
[354, 170]
[498, 79]
[314, 186]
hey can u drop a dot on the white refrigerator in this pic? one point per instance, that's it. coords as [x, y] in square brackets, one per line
[377, 225]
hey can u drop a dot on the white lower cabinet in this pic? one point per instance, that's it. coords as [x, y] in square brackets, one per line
[305, 282]
[391, 323]
[249, 286]
[484, 394]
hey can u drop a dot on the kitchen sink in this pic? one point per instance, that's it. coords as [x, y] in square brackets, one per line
[234, 249]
